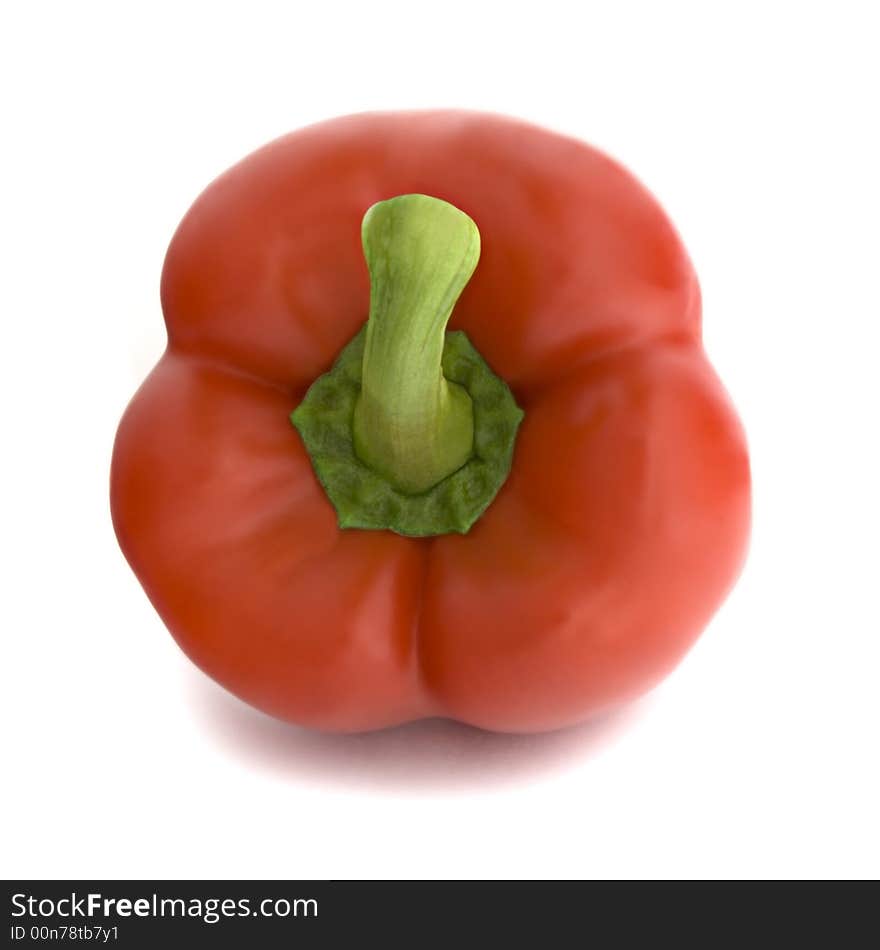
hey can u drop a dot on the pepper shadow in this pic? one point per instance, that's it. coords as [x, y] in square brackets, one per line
[421, 757]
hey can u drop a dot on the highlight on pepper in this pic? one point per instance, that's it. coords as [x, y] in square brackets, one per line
[434, 433]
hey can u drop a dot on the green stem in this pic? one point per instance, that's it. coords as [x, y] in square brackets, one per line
[411, 425]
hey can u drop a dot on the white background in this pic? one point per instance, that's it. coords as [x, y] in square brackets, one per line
[756, 126]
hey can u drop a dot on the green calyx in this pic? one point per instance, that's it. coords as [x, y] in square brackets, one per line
[410, 430]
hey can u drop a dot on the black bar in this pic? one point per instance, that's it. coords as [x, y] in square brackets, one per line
[266, 914]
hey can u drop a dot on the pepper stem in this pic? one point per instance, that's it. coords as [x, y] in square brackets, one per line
[412, 425]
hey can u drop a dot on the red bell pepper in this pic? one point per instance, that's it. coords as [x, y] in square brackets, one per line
[517, 525]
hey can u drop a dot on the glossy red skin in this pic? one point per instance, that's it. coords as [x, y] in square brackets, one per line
[625, 518]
